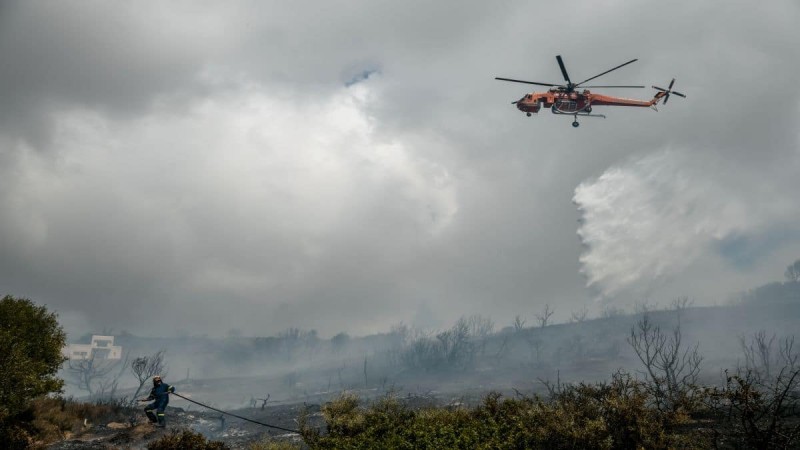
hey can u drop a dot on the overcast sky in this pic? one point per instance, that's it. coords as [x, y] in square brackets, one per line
[197, 167]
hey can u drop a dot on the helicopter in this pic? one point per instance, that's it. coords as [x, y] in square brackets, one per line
[567, 99]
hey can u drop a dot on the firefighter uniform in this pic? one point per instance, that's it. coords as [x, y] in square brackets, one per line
[160, 396]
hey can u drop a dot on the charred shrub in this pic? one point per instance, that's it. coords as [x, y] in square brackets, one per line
[756, 412]
[274, 445]
[186, 440]
[671, 368]
[758, 406]
[16, 435]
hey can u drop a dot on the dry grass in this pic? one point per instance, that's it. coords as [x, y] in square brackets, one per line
[186, 440]
[275, 445]
[54, 419]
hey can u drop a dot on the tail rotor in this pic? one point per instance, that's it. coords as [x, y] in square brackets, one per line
[667, 92]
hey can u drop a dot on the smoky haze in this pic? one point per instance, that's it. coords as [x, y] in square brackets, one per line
[462, 361]
[169, 169]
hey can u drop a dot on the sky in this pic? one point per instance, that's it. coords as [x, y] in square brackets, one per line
[196, 167]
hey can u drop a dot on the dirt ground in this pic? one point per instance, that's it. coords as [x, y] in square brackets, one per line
[238, 434]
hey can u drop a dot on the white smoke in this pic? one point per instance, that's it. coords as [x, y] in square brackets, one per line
[649, 219]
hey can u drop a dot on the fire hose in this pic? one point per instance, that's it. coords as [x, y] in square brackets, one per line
[234, 415]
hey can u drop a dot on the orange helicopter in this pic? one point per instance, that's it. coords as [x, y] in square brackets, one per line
[567, 100]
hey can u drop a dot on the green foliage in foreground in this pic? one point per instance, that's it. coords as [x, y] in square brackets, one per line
[31, 340]
[614, 415]
[30, 353]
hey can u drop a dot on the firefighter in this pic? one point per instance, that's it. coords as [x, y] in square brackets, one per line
[160, 396]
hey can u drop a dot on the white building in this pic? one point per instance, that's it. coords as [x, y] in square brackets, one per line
[102, 347]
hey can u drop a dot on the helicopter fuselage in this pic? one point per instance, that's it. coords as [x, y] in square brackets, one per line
[562, 102]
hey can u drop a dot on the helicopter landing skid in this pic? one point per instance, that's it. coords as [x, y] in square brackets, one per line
[582, 114]
[576, 114]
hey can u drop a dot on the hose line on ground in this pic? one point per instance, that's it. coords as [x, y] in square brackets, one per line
[234, 415]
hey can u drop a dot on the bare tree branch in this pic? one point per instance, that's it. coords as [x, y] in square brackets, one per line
[670, 368]
[146, 367]
[544, 317]
[519, 323]
[580, 315]
[89, 374]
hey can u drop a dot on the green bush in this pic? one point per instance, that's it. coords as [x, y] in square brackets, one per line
[30, 355]
[614, 415]
[185, 440]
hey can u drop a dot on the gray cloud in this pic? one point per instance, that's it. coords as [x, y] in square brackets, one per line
[209, 161]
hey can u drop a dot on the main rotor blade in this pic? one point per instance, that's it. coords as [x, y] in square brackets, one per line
[607, 71]
[678, 94]
[526, 82]
[660, 89]
[612, 87]
[563, 69]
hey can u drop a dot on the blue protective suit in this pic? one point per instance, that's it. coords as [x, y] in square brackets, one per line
[160, 395]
